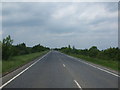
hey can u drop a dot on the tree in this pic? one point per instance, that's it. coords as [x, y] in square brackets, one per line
[112, 53]
[0, 50]
[93, 51]
[9, 50]
[69, 47]
[21, 49]
[7, 47]
[73, 48]
[39, 48]
[84, 52]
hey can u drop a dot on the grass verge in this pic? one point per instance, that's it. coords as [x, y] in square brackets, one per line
[0, 67]
[17, 61]
[106, 63]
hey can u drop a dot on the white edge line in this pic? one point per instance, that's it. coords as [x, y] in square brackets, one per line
[78, 84]
[95, 67]
[22, 72]
[63, 65]
[103, 70]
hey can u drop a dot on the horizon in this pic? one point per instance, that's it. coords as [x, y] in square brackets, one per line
[62, 46]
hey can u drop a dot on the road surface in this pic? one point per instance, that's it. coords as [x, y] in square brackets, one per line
[57, 70]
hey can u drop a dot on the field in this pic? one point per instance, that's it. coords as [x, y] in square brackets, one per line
[17, 61]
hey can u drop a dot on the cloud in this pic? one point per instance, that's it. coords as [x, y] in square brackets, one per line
[60, 24]
[90, 15]
[64, 12]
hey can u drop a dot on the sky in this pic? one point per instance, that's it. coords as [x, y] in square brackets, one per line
[59, 24]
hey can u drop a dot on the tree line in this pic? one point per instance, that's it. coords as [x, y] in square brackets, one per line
[9, 50]
[94, 52]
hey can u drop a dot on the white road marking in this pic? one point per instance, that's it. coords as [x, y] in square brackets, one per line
[22, 72]
[95, 67]
[102, 69]
[63, 65]
[78, 84]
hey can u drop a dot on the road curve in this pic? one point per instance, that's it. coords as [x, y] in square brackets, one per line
[57, 70]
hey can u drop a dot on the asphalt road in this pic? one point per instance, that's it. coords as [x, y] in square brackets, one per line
[57, 70]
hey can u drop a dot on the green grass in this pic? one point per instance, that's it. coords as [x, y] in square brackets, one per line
[17, 61]
[0, 66]
[106, 63]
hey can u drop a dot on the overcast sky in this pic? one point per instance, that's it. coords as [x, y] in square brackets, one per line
[60, 24]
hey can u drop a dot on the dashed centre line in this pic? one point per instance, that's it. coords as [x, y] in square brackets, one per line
[78, 84]
[75, 81]
[63, 65]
